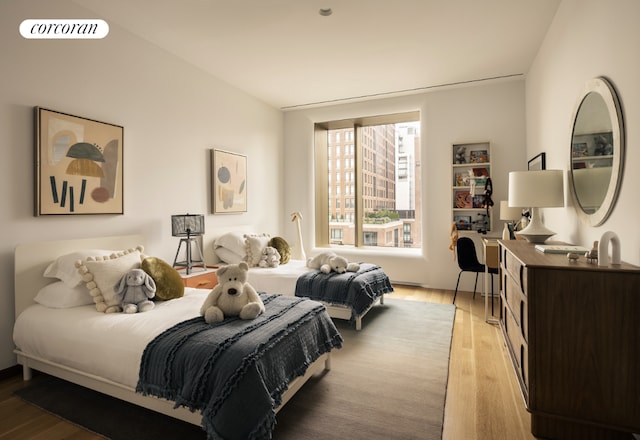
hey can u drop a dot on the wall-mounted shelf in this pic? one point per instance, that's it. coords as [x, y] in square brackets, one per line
[471, 167]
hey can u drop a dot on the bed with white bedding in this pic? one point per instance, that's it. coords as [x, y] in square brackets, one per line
[105, 351]
[346, 296]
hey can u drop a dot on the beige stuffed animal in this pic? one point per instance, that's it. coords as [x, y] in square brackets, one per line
[328, 261]
[232, 296]
[270, 257]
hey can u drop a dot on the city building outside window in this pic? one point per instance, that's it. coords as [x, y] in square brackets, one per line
[374, 195]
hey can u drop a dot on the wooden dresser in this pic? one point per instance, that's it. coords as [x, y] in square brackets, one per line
[573, 334]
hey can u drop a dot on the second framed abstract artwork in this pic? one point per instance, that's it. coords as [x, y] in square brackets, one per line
[229, 182]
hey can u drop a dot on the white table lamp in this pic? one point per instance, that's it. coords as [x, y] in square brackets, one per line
[536, 189]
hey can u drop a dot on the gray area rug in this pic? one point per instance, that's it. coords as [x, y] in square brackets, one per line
[388, 381]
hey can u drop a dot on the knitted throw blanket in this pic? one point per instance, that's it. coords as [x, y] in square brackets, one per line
[235, 372]
[357, 290]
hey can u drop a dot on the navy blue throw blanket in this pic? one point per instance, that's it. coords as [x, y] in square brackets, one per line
[235, 371]
[357, 290]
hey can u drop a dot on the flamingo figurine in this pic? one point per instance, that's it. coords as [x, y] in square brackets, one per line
[298, 251]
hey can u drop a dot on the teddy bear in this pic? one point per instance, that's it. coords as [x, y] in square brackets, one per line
[232, 296]
[136, 288]
[270, 257]
[328, 261]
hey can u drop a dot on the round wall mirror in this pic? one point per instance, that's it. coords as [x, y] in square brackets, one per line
[597, 151]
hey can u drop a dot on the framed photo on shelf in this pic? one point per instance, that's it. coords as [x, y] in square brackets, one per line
[463, 199]
[78, 165]
[463, 222]
[579, 149]
[478, 201]
[461, 178]
[478, 156]
[538, 162]
[229, 182]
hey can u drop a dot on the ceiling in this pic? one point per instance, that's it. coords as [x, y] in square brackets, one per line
[286, 54]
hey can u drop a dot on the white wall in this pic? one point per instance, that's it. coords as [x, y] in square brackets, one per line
[487, 111]
[588, 38]
[172, 115]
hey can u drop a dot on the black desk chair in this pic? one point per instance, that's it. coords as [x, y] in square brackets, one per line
[468, 262]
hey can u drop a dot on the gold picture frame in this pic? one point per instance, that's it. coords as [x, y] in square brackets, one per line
[78, 165]
[229, 182]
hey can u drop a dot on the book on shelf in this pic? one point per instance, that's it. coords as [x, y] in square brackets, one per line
[560, 249]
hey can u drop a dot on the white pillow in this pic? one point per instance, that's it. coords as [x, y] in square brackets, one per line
[64, 267]
[58, 295]
[234, 241]
[102, 274]
[228, 256]
[255, 244]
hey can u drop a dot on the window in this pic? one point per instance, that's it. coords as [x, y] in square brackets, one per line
[378, 201]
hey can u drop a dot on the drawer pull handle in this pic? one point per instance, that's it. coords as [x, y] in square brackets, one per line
[202, 283]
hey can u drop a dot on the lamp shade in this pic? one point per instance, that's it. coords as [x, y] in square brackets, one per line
[536, 189]
[185, 225]
[509, 212]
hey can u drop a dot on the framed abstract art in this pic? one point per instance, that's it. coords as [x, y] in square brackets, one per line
[78, 165]
[229, 182]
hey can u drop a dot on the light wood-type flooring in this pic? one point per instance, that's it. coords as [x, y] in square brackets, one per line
[483, 400]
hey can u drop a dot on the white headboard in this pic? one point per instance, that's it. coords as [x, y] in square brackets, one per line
[31, 259]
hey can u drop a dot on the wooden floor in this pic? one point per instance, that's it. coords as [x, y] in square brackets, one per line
[483, 399]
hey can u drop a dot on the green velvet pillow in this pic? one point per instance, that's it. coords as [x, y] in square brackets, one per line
[169, 283]
[282, 247]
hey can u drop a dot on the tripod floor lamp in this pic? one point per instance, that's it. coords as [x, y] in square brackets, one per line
[188, 227]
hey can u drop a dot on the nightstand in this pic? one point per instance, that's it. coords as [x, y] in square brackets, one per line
[200, 279]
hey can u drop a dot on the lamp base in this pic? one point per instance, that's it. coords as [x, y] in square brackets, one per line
[189, 262]
[536, 232]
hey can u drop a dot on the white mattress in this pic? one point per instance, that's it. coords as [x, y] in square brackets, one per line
[281, 279]
[106, 345]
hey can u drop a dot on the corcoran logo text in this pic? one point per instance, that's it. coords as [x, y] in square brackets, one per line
[64, 29]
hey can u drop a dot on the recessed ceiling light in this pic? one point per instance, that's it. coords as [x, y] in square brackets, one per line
[325, 12]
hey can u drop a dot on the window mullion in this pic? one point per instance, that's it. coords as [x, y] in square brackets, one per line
[358, 183]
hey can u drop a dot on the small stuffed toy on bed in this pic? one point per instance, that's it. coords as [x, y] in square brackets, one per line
[136, 288]
[232, 296]
[270, 257]
[328, 261]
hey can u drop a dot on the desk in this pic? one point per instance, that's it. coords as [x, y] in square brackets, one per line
[491, 260]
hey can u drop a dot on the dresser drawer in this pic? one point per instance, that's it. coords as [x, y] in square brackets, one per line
[518, 348]
[518, 272]
[517, 304]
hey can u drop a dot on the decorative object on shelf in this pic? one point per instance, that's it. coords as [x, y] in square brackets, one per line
[229, 182]
[189, 227]
[537, 163]
[461, 152]
[481, 225]
[536, 189]
[78, 165]
[463, 222]
[603, 249]
[479, 156]
[510, 215]
[297, 252]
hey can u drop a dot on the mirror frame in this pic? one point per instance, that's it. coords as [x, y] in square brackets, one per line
[604, 88]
